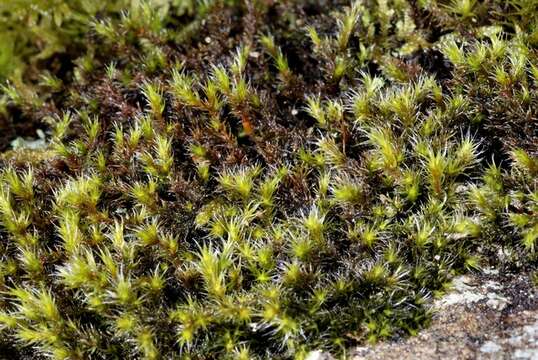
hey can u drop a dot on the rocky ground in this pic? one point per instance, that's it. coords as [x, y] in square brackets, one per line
[487, 316]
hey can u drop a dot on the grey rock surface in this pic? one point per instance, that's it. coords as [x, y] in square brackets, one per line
[486, 316]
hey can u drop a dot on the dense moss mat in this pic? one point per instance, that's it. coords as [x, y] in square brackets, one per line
[229, 179]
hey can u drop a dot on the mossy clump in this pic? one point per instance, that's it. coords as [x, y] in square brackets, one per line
[260, 179]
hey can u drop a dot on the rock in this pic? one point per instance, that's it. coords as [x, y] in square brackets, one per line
[319, 355]
[486, 316]
[525, 354]
[490, 347]
[33, 144]
[496, 301]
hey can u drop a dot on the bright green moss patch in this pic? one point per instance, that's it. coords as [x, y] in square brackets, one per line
[260, 179]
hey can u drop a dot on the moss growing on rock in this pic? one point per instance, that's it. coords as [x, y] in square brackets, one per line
[260, 179]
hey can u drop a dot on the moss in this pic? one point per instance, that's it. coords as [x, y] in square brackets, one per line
[25, 157]
[259, 179]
